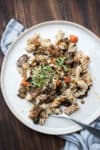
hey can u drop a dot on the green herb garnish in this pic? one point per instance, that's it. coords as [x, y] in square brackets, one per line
[40, 76]
[65, 68]
[47, 69]
[60, 61]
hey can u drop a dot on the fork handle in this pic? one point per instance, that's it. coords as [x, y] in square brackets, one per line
[92, 130]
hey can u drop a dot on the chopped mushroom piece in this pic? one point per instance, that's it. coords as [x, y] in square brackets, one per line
[22, 60]
[22, 92]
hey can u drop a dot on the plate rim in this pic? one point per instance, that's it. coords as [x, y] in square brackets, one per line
[38, 128]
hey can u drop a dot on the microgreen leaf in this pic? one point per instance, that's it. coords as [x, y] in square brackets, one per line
[40, 76]
[60, 61]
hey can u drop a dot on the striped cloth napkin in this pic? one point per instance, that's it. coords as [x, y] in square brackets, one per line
[78, 141]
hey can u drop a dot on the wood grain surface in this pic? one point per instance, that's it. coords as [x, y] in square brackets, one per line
[13, 134]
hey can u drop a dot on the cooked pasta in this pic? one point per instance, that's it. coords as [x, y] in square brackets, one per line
[53, 75]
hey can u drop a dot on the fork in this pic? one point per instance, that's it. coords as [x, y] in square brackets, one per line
[92, 130]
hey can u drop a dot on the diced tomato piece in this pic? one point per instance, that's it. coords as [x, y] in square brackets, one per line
[73, 38]
[67, 79]
[58, 82]
[25, 83]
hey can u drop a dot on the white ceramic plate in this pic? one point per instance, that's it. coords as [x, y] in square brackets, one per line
[10, 79]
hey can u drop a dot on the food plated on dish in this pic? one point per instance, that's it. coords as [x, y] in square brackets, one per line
[54, 75]
[88, 43]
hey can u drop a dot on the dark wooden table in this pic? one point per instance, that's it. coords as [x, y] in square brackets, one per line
[13, 134]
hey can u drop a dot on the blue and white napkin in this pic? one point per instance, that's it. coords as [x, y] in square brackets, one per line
[82, 140]
[12, 30]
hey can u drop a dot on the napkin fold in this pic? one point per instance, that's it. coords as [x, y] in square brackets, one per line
[82, 140]
[12, 30]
